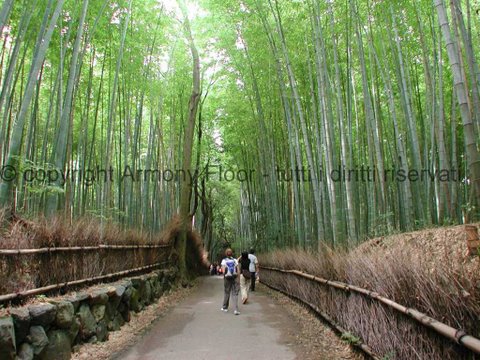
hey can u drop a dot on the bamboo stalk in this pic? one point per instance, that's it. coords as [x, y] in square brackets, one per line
[459, 336]
[79, 248]
[42, 290]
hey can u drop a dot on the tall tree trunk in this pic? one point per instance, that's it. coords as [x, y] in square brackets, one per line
[444, 201]
[7, 86]
[294, 144]
[352, 236]
[296, 98]
[373, 140]
[4, 13]
[63, 131]
[185, 186]
[411, 124]
[16, 139]
[474, 70]
[462, 98]
[113, 107]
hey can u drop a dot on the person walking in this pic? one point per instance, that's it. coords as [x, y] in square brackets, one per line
[230, 281]
[253, 268]
[244, 263]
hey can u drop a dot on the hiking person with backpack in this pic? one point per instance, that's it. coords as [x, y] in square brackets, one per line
[230, 281]
[245, 275]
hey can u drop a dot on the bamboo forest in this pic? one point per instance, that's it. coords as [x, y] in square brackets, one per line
[282, 123]
[150, 142]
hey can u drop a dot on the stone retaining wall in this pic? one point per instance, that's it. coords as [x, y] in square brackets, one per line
[51, 329]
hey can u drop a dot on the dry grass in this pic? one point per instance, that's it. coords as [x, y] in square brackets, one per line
[58, 232]
[197, 257]
[427, 270]
[22, 272]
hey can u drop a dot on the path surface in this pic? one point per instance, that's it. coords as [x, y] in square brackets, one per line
[197, 329]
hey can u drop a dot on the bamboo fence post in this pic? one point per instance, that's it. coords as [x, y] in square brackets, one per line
[473, 242]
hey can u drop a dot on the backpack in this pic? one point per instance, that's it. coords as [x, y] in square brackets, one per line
[245, 263]
[230, 269]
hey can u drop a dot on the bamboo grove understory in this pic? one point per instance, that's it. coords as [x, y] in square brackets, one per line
[271, 123]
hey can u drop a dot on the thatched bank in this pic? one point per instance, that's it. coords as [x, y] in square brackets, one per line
[428, 270]
[40, 253]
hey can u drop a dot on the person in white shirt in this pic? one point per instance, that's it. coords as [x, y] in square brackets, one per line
[253, 268]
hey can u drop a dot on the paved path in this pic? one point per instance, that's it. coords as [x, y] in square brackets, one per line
[197, 329]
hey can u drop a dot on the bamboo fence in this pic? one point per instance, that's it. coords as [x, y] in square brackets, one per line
[28, 272]
[456, 335]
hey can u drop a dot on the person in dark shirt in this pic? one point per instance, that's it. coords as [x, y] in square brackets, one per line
[244, 263]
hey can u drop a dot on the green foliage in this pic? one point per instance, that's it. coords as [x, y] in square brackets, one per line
[389, 356]
[263, 63]
[350, 338]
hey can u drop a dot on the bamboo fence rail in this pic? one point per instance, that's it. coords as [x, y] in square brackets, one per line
[360, 345]
[43, 290]
[26, 272]
[79, 248]
[457, 335]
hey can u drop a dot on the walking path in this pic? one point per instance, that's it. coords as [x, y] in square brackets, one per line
[197, 329]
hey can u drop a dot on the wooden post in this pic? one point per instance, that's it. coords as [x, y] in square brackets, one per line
[473, 242]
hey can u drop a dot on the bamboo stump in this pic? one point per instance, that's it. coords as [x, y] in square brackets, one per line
[473, 242]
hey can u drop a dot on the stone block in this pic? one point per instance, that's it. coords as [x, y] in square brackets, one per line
[8, 347]
[59, 346]
[21, 322]
[74, 330]
[37, 338]
[102, 331]
[65, 314]
[42, 314]
[25, 352]
[88, 324]
[98, 312]
[99, 296]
